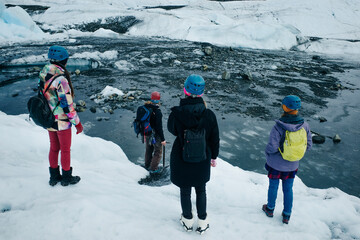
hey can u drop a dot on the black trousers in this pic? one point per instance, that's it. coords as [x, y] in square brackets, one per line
[185, 199]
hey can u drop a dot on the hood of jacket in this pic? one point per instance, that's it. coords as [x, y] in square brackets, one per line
[289, 126]
[49, 71]
[190, 111]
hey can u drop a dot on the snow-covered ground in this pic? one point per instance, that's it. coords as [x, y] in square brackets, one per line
[108, 203]
[271, 24]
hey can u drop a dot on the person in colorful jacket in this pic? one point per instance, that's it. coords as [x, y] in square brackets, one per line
[276, 165]
[60, 98]
[193, 113]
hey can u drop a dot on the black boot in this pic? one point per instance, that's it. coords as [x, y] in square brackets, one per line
[67, 178]
[55, 176]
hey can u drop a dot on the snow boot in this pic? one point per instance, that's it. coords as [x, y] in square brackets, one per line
[55, 176]
[67, 178]
[269, 212]
[187, 223]
[286, 218]
[203, 226]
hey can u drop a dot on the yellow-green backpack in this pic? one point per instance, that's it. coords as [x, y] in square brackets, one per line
[295, 144]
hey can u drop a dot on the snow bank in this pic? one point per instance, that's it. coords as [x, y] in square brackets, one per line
[108, 91]
[17, 25]
[109, 204]
[271, 24]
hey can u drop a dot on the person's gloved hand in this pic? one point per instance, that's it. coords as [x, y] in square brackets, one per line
[213, 162]
[79, 128]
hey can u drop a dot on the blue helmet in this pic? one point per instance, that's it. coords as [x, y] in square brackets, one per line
[57, 53]
[194, 85]
[292, 101]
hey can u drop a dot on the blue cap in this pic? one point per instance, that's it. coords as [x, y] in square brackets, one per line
[292, 101]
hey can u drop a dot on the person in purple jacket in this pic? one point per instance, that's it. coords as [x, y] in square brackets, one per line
[277, 167]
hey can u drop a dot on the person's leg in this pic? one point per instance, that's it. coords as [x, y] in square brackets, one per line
[201, 201]
[54, 170]
[272, 193]
[54, 149]
[64, 137]
[203, 221]
[185, 200]
[157, 155]
[148, 151]
[287, 186]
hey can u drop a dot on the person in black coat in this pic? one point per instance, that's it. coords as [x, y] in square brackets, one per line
[154, 140]
[192, 113]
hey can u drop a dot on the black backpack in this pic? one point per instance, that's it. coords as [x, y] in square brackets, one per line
[194, 149]
[39, 109]
[141, 123]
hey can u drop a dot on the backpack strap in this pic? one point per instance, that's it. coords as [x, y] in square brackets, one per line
[47, 88]
[55, 77]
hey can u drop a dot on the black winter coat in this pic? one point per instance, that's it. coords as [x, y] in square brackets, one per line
[156, 121]
[185, 116]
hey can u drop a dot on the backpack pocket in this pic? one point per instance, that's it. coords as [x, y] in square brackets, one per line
[295, 145]
[194, 149]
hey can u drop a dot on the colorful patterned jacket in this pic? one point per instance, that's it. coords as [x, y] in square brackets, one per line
[59, 97]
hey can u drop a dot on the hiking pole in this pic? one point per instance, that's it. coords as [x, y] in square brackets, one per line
[163, 156]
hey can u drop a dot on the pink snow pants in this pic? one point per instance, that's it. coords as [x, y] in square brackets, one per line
[60, 141]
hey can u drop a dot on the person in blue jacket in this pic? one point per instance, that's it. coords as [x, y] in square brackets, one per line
[277, 167]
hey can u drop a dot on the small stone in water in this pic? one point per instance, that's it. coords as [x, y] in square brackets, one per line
[336, 138]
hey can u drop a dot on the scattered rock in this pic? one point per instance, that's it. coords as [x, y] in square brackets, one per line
[93, 109]
[80, 109]
[324, 71]
[102, 118]
[322, 119]
[247, 76]
[336, 138]
[208, 51]
[6, 208]
[318, 139]
[225, 75]
[341, 87]
[81, 103]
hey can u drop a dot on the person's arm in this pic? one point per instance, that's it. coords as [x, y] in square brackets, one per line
[214, 142]
[158, 125]
[171, 124]
[66, 101]
[274, 141]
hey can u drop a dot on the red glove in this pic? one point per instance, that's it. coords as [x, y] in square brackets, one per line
[213, 162]
[79, 128]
